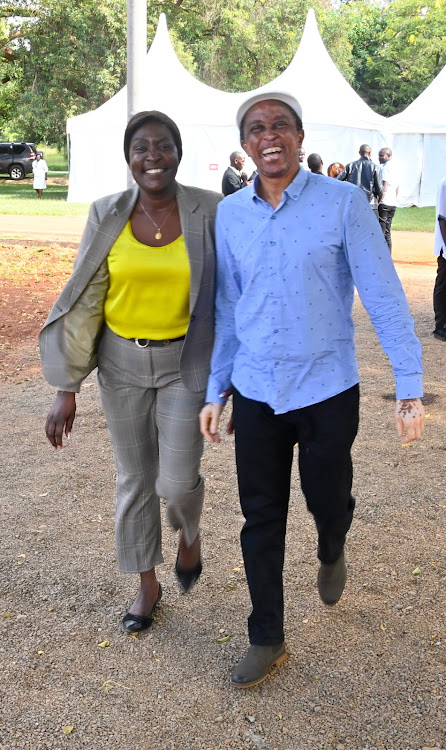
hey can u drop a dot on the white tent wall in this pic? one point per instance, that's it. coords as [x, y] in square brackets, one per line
[419, 143]
[434, 167]
[420, 161]
[206, 152]
[338, 143]
[97, 164]
[407, 158]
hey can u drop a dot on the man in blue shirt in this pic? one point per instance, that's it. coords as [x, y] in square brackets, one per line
[291, 247]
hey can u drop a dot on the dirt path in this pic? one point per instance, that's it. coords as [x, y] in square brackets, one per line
[368, 674]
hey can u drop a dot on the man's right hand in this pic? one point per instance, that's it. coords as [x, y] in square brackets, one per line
[209, 421]
[61, 418]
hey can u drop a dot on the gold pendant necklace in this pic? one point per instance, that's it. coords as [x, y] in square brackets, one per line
[158, 234]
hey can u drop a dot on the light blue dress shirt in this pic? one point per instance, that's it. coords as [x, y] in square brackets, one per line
[285, 285]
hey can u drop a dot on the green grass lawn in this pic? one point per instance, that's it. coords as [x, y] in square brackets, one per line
[57, 161]
[19, 198]
[414, 219]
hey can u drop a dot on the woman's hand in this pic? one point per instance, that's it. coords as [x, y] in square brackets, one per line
[61, 418]
[409, 418]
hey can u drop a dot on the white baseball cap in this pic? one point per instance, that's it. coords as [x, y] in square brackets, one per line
[280, 96]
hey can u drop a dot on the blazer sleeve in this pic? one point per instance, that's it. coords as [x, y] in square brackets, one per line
[68, 344]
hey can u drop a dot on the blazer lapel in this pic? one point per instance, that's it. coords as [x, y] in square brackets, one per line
[192, 224]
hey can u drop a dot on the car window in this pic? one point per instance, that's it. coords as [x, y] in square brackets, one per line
[4, 148]
[19, 149]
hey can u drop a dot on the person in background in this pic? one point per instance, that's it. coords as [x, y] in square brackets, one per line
[234, 179]
[284, 342]
[301, 156]
[387, 205]
[315, 164]
[440, 251]
[334, 169]
[40, 173]
[139, 306]
[366, 175]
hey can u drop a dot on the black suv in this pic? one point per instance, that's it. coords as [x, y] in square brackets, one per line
[16, 159]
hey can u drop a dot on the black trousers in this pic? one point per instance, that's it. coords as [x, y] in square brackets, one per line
[440, 294]
[386, 214]
[264, 453]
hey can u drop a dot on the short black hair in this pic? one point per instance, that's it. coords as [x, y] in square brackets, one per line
[140, 119]
[315, 162]
[295, 115]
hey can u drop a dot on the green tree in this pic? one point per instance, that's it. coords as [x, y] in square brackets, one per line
[398, 49]
[71, 58]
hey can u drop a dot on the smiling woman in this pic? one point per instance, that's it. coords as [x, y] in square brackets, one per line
[139, 306]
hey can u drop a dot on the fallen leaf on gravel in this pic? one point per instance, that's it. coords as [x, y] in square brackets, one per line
[225, 639]
[416, 572]
[236, 569]
[8, 614]
[106, 686]
[407, 445]
[383, 628]
[67, 730]
[231, 587]
[104, 644]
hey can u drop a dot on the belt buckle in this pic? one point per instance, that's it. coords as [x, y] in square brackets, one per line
[142, 346]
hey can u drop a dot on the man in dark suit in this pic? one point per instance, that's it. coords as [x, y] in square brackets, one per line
[234, 179]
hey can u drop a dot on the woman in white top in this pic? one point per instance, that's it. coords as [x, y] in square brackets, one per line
[40, 171]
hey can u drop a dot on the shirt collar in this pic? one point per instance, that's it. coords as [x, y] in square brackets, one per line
[293, 190]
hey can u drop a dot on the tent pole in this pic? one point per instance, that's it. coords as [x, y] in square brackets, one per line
[136, 55]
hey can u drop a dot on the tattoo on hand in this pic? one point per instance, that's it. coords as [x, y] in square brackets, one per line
[406, 407]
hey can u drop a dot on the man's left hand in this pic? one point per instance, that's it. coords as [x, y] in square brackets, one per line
[409, 417]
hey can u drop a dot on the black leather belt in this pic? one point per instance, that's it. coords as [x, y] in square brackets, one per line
[143, 343]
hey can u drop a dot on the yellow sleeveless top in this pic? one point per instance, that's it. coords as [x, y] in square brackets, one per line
[148, 295]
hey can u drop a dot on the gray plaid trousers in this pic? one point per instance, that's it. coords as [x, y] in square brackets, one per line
[152, 421]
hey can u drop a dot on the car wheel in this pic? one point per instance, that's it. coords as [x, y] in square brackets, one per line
[16, 172]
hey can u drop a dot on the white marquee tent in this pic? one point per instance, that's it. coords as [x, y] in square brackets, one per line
[419, 138]
[336, 119]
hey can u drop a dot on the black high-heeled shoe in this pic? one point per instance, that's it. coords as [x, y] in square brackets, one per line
[136, 623]
[187, 578]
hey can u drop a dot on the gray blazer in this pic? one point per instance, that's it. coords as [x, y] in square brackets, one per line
[69, 338]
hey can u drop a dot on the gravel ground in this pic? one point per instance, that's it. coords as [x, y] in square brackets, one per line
[368, 674]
